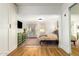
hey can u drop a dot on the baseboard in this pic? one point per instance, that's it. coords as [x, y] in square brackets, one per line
[4, 53]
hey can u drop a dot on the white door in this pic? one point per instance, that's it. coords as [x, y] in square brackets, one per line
[12, 28]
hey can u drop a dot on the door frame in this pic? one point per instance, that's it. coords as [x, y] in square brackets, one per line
[70, 23]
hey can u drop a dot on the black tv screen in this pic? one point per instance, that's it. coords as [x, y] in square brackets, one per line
[19, 24]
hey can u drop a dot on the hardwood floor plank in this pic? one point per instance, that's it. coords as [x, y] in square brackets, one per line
[75, 51]
[37, 50]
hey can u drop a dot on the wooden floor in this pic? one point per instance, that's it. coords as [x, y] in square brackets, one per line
[75, 51]
[38, 50]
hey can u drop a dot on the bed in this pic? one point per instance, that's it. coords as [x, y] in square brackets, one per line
[48, 39]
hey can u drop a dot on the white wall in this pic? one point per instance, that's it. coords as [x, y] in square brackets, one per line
[38, 9]
[3, 28]
[74, 24]
[65, 42]
[7, 16]
[51, 25]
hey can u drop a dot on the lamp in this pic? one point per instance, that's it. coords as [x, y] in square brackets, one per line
[42, 30]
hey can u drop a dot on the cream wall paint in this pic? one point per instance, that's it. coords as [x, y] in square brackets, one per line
[3, 28]
[7, 16]
[65, 42]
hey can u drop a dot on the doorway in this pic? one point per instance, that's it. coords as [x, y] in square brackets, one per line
[74, 29]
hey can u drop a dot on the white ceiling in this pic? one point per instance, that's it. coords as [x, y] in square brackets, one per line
[33, 11]
[39, 8]
[35, 18]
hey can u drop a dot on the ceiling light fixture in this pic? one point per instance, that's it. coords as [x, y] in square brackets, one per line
[40, 19]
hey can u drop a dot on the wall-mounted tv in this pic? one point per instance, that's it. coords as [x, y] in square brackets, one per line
[19, 24]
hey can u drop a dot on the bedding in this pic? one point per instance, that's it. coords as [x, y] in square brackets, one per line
[73, 38]
[49, 37]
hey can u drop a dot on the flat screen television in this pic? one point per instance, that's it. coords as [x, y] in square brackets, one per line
[19, 24]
